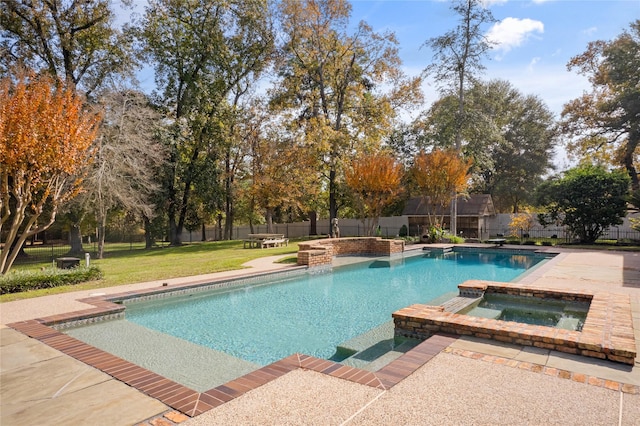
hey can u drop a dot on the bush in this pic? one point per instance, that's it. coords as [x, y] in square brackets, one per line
[454, 239]
[19, 281]
[403, 231]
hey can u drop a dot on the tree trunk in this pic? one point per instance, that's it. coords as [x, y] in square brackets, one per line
[149, 240]
[313, 218]
[75, 240]
[100, 236]
[174, 236]
[269, 218]
[333, 202]
[228, 201]
[629, 155]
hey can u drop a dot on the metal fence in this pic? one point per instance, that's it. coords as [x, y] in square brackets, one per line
[562, 234]
[49, 252]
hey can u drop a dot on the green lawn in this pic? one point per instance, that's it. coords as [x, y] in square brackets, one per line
[126, 266]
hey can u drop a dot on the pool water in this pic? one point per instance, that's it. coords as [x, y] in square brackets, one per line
[546, 312]
[312, 314]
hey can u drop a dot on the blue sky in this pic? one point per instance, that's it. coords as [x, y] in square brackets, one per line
[536, 38]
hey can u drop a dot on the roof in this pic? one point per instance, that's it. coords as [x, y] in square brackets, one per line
[475, 205]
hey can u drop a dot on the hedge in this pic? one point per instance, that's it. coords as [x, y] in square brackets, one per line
[19, 281]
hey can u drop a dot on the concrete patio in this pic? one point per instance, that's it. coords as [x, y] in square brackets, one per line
[472, 381]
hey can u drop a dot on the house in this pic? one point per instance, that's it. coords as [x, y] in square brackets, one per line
[472, 216]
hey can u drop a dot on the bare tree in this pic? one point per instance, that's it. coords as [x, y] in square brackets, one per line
[128, 155]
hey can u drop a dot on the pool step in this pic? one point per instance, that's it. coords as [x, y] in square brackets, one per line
[368, 339]
[458, 303]
[379, 346]
[374, 349]
[380, 354]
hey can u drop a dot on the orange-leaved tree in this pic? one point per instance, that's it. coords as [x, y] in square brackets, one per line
[375, 181]
[45, 141]
[436, 175]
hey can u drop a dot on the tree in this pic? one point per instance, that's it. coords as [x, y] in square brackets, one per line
[282, 171]
[436, 175]
[521, 223]
[201, 50]
[509, 136]
[375, 180]
[458, 58]
[606, 122]
[73, 40]
[128, 156]
[332, 83]
[45, 139]
[587, 200]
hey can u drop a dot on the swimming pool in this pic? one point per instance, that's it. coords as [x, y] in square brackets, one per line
[308, 313]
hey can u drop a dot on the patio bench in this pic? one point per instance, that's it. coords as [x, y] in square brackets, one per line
[275, 242]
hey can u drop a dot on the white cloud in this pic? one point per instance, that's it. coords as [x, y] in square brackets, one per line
[590, 31]
[489, 3]
[512, 32]
[533, 63]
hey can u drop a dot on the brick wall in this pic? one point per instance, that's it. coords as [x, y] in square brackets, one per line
[321, 252]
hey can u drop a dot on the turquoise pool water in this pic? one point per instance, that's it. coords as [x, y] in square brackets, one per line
[312, 314]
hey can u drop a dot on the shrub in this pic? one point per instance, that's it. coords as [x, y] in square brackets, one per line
[19, 281]
[587, 200]
[403, 231]
[454, 239]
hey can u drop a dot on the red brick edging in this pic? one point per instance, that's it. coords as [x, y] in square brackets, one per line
[193, 403]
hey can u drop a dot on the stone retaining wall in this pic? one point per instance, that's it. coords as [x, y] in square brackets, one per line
[321, 252]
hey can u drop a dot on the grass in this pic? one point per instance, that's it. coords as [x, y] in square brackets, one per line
[127, 266]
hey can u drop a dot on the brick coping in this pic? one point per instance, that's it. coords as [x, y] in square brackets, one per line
[193, 403]
[607, 332]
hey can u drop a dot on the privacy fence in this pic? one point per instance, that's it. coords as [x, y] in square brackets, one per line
[389, 227]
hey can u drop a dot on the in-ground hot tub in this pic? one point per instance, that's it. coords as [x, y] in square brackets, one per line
[548, 312]
[607, 332]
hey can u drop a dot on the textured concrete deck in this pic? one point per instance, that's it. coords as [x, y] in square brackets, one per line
[470, 382]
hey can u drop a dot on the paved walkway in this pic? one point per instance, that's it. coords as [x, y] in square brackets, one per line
[471, 382]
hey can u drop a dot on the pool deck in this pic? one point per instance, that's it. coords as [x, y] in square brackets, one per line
[451, 381]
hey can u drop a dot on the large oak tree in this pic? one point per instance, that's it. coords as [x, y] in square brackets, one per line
[605, 123]
[76, 41]
[509, 135]
[201, 51]
[342, 87]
